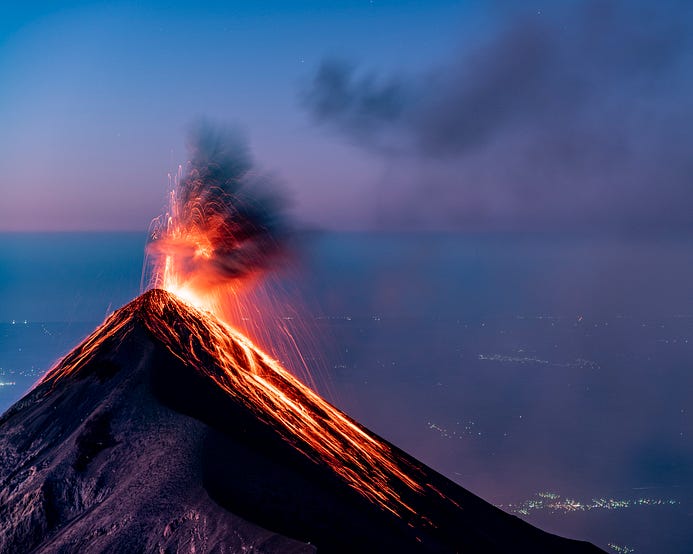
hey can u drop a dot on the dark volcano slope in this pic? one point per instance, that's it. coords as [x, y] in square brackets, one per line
[127, 446]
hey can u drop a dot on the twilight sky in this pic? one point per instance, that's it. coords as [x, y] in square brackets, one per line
[381, 114]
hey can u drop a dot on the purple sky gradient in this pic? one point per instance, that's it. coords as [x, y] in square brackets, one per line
[97, 98]
[96, 102]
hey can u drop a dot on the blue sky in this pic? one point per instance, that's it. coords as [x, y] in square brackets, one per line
[98, 96]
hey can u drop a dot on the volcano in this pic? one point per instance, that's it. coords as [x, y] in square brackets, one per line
[168, 431]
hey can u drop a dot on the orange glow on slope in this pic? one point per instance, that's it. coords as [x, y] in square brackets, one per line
[194, 248]
[207, 253]
[304, 419]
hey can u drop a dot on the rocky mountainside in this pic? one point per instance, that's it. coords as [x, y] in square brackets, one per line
[165, 431]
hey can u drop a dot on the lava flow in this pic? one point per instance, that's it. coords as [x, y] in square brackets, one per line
[259, 382]
[216, 239]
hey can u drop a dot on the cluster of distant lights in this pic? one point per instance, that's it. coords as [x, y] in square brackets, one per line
[620, 549]
[511, 359]
[503, 358]
[33, 372]
[555, 503]
[466, 428]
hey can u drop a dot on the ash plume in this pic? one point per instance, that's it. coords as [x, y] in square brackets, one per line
[561, 115]
[226, 219]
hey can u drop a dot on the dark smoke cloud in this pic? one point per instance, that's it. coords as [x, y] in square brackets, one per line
[362, 107]
[571, 114]
[228, 219]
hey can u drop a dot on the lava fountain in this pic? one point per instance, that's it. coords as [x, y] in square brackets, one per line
[222, 231]
[220, 242]
[223, 227]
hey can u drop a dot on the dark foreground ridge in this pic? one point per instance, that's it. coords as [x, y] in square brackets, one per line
[152, 436]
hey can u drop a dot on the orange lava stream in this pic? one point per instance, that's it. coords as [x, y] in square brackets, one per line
[250, 376]
[187, 318]
[275, 395]
[203, 265]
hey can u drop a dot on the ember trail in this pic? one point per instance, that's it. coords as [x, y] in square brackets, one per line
[311, 424]
[222, 239]
[223, 230]
[224, 226]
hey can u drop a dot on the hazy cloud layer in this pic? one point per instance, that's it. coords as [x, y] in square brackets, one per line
[565, 116]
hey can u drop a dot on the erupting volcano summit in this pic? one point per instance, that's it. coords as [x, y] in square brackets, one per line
[167, 430]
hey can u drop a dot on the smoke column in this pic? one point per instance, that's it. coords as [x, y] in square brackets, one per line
[223, 245]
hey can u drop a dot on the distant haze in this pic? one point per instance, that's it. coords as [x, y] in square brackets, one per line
[570, 116]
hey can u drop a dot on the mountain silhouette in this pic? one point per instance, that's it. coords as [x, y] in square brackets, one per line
[168, 431]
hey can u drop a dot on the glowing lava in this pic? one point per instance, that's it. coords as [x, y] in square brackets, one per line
[187, 249]
[253, 378]
[219, 245]
[207, 252]
[223, 227]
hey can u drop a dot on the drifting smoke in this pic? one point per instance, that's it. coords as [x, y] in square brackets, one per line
[225, 221]
[563, 114]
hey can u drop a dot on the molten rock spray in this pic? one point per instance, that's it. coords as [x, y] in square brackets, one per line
[218, 234]
[224, 223]
[214, 239]
[224, 229]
